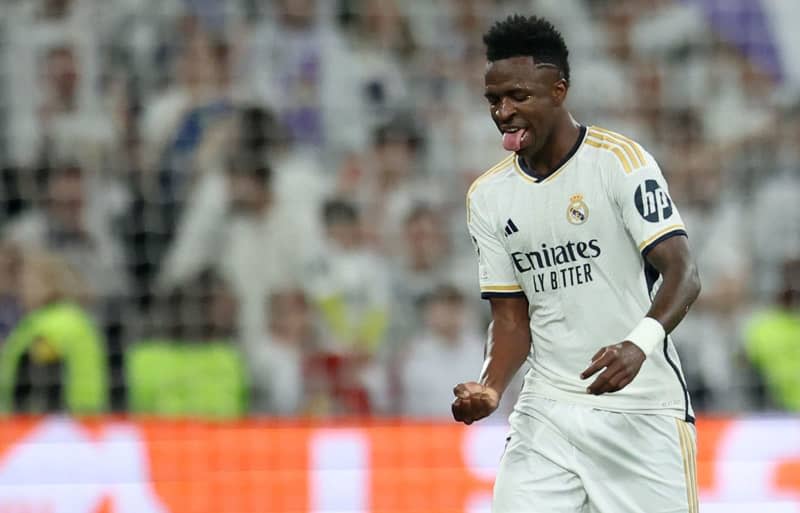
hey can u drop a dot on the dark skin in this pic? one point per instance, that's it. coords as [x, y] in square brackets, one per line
[524, 96]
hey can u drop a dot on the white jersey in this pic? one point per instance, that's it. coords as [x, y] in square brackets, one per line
[575, 244]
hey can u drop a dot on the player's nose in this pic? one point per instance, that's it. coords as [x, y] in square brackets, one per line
[505, 110]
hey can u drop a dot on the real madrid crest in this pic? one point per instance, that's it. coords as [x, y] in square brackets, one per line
[577, 211]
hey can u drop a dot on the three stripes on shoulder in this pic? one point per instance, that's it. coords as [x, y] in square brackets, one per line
[628, 152]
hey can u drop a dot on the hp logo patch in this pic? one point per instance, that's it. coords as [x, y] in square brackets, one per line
[652, 202]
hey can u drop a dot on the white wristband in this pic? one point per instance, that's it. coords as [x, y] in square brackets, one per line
[647, 335]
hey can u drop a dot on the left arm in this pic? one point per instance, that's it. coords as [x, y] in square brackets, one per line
[679, 289]
[680, 286]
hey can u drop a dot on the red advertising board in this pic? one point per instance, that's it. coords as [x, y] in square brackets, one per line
[61, 465]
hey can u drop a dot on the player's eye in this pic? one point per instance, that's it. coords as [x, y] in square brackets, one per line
[520, 96]
[491, 99]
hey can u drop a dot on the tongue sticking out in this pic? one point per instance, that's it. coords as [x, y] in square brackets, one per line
[512, 141]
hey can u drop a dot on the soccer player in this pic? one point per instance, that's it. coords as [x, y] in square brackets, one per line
[584, 258]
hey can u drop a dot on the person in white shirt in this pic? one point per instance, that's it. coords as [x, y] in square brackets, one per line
[585, 260]
[249, 237]
[298, 63]
[428, 259]
[444, 351]
[57, 105]
[76, 225]
[276, 359]
[718, 223]
[349, 283]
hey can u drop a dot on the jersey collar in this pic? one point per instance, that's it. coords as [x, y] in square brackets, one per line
[526, 173]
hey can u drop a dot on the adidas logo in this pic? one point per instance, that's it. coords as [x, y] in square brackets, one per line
[511, 228]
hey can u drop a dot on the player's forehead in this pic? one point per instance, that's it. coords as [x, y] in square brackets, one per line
[514, 72]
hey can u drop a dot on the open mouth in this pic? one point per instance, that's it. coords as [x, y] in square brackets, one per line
[512, 138]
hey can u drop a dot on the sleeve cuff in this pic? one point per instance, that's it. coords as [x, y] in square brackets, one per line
[490, 295]
[671, 231]
[490, 291]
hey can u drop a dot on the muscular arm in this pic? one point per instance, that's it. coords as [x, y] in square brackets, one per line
[507, 348]
[681, 283]
[679, 289]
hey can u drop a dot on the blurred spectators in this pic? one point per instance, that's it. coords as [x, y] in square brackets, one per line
[54, 359]
[350, 284]
[55, 100]
[299, 64]
[773, 342]
[388, 181]
[443, 351]
[68, 223]
[177, 142]
[277, 359]
[709, 338]
[383, 45]
[10, 302]
[190, 113]
[775, 210]
[258, 247]
[426, 261]
[190, 365]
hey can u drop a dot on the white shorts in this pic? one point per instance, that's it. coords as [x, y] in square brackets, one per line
[568, 458]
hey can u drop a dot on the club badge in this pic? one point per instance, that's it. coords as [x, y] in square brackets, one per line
[577, 211]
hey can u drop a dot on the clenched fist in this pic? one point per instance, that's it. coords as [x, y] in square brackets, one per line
[473, 402]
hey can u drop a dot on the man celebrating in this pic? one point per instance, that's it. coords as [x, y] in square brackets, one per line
[585, 260]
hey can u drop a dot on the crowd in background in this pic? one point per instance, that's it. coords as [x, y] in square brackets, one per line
[218, 208]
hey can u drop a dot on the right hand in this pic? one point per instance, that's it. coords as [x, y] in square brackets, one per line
[473, 402]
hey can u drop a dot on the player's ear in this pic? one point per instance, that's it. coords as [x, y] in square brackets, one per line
[559, 92]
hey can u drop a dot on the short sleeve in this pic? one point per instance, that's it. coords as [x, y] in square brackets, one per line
[649, 214]
[495, 270]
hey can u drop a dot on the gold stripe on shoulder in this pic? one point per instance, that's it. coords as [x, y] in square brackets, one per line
[626, 147]
[492, 170]
[613, 148]
[633, 145]
[495, 168]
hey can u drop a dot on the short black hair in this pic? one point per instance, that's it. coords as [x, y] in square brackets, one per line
[250, 166]
[338, 210]
[441, 293]
[418, 211]
[65, 169]
[400, 129]
[527, 36]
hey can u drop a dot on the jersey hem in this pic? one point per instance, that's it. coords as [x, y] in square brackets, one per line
[555, 394]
